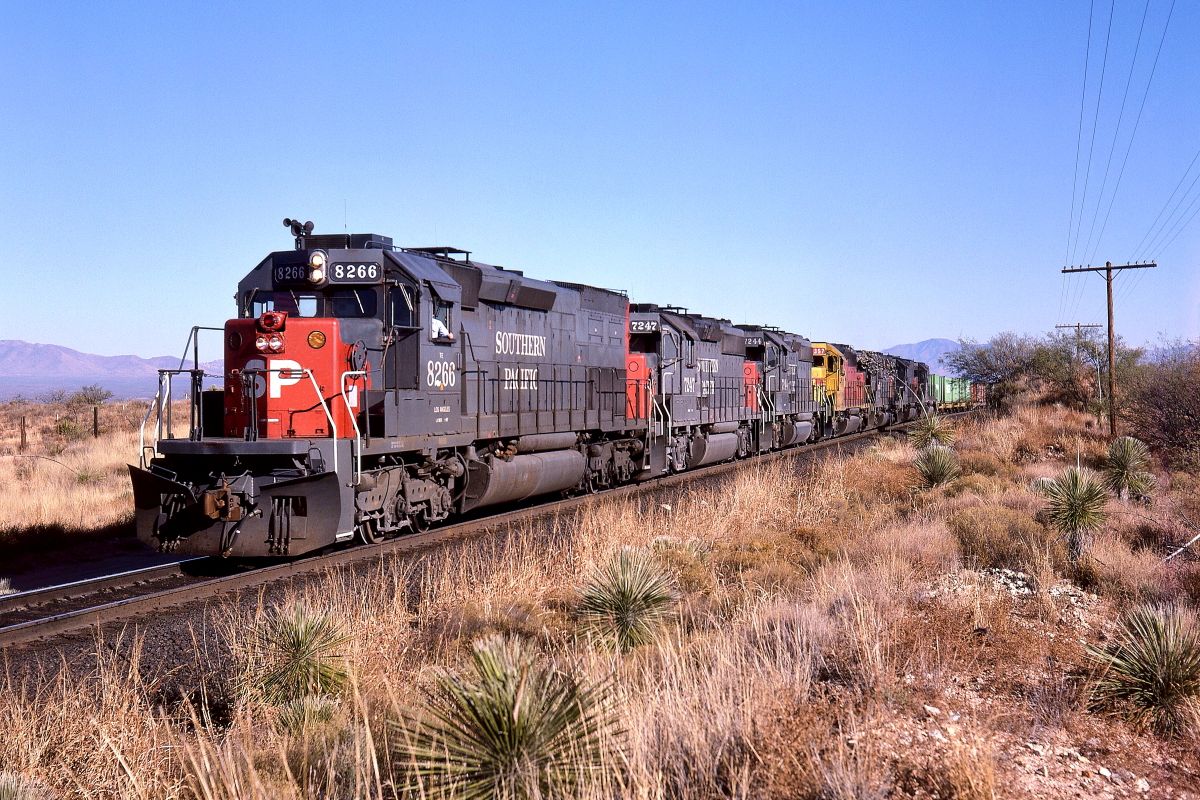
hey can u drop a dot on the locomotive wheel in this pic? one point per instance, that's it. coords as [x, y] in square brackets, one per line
[420, 523]
[368, 532]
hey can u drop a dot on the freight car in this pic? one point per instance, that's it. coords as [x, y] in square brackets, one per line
[369, 391]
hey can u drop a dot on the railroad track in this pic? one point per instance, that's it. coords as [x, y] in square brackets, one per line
[174, 585]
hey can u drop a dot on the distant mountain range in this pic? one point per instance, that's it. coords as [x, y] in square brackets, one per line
[930, 351]
[33, 369]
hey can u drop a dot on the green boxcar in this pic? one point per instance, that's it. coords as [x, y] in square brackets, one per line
[949, 393]
[958, 391]
[937, 390]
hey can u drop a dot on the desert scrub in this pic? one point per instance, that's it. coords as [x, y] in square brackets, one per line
[294, 654]
[931, 430]
[1075, 507]
[513, 726]
[936, 465]
[627, 599]
[995, 536]
[1153, 671]
[1127, 468]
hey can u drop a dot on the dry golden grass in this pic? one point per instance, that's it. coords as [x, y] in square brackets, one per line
[66, 486]
[821, 616]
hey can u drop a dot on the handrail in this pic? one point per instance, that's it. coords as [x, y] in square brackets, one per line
[164, 376]
[316, 390]
[353, 421]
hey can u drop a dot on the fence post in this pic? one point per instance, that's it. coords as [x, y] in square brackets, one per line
[95, 422]
[23, 440]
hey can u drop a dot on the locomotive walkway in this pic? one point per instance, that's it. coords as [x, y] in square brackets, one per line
[43, 613]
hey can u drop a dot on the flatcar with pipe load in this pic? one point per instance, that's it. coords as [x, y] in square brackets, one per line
[369, 391]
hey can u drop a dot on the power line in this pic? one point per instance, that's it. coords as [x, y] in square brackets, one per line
[1136, 123]
[1189, 220]
[1079, 135]
[1182, 178]
[1117, 133]
[1169, 224]
[1087, 175]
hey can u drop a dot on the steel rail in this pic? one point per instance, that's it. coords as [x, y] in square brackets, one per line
[72, 621]
[82, 588]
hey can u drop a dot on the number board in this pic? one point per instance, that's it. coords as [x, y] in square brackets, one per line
[291, 273]
[754, 341]
[355, 272]
[643, 325]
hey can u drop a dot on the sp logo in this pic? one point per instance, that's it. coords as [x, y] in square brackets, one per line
[283, 372]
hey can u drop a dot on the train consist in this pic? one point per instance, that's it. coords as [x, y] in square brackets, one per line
[370, 391]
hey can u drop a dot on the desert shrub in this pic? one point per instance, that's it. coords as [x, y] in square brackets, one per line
[995, 536]
[294, 655]
[69, 429]
[879, 479]
[6, 587]
[968, 769]
[1075, 507]
[931, 430]
[982, 463]
[1113, 568]
[1153, 670]
[94, 395]
[1163, 401]
[514, 726]
[1127, 468]
[627, 599]
[936, 465]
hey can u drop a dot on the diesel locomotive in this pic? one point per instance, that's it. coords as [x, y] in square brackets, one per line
[370, 390]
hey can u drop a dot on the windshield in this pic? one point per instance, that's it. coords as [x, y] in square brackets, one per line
[352, 303]
[296, 304]
[342, 303]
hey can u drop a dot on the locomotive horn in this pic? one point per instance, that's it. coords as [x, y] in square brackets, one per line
[298, 228]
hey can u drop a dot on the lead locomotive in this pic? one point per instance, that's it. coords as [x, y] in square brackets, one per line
[370, 391]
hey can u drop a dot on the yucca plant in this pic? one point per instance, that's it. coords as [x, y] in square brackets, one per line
[931, 430]
[301, 715]
[514, 726]
[1076, 507]
[627, 598]
[1153, 669]
[937, 465]
[1127, 468]
[6, 587]
[296, 654]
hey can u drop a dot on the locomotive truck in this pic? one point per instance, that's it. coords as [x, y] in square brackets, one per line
[370, 390]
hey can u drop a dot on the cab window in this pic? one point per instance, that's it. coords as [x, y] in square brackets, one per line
[819, 361]
[352, 303]
[440, 329]
[296, 304]
[670, 346]
[402, 306]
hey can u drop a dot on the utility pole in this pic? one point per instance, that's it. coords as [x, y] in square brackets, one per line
[1108, 269]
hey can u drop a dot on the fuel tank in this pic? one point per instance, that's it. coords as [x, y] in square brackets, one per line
[524, 476]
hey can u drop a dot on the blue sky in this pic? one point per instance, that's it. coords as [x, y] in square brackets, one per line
[870, 173]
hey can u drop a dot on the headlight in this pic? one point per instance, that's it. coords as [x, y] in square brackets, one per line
[276, 343]
[261, 344]
[317, 260]
[317, 275]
